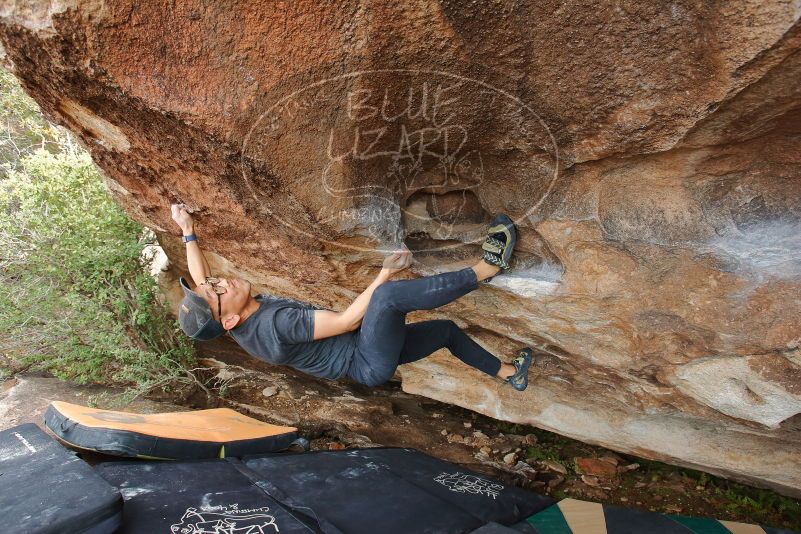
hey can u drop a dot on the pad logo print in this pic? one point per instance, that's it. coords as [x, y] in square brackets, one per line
[225, 520]
[472, 484]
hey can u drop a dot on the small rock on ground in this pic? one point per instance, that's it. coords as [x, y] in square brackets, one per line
[555, 466]
[596, 467]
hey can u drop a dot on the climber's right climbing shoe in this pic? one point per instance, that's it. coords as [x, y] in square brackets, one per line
[500, 243]
[519, 380]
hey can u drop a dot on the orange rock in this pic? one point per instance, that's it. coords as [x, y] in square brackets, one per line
[596, 467]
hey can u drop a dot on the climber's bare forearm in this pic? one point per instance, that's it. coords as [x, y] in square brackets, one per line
[328, 323]
[355, 312]
[198, 266]
[396, 262]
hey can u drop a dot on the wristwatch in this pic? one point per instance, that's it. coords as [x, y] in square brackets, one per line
[188, 238]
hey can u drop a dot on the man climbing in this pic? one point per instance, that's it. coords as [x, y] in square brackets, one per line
[368, 340]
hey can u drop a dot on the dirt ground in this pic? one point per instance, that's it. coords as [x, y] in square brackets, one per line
[339, 415]
[336, 415]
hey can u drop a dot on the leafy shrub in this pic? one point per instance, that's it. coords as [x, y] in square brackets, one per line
[23, 129]
[76, 297]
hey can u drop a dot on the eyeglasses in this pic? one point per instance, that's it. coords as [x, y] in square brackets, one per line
[218, 290]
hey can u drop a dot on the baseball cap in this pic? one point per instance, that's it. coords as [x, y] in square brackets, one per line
[194, 316]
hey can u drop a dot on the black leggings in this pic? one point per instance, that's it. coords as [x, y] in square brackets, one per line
[386, 341]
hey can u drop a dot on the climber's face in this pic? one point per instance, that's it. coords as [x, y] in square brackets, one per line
[227, 297]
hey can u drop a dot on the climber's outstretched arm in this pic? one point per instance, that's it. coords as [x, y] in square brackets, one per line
[329, 323]
[198, 266]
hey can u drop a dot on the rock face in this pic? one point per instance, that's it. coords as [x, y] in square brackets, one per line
[649, 152]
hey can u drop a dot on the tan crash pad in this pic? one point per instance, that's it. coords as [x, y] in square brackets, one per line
[192, 434]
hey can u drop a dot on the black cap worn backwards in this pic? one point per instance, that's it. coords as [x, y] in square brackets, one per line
[194, 316]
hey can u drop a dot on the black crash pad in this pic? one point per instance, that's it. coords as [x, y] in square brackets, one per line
[395, 490]
[200, 496]
[354, 491]
[46, 488]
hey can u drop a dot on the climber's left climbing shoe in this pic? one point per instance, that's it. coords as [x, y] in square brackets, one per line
[500, 243]
[519, 380]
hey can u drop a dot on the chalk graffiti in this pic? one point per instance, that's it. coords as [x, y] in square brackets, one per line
[225, 520]
[472, 484]
[368, 141]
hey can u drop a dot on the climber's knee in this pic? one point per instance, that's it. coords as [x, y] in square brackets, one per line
[449, 328]
[385, 294]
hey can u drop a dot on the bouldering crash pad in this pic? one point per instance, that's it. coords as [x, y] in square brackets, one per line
[45, 488]
[384, 490]
[572, 516]
[197, 434]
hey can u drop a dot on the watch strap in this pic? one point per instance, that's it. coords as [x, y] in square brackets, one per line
[188, 238]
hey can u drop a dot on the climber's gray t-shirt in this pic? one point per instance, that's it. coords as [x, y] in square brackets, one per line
[281, 331]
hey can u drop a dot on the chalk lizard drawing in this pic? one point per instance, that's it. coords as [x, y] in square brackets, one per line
[226, 521]
[472, 484]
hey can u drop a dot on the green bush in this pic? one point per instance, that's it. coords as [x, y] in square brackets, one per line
[23, 129]
[76, 297]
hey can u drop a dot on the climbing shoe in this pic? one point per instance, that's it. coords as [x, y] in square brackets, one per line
[519, 380]
[501, 238]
